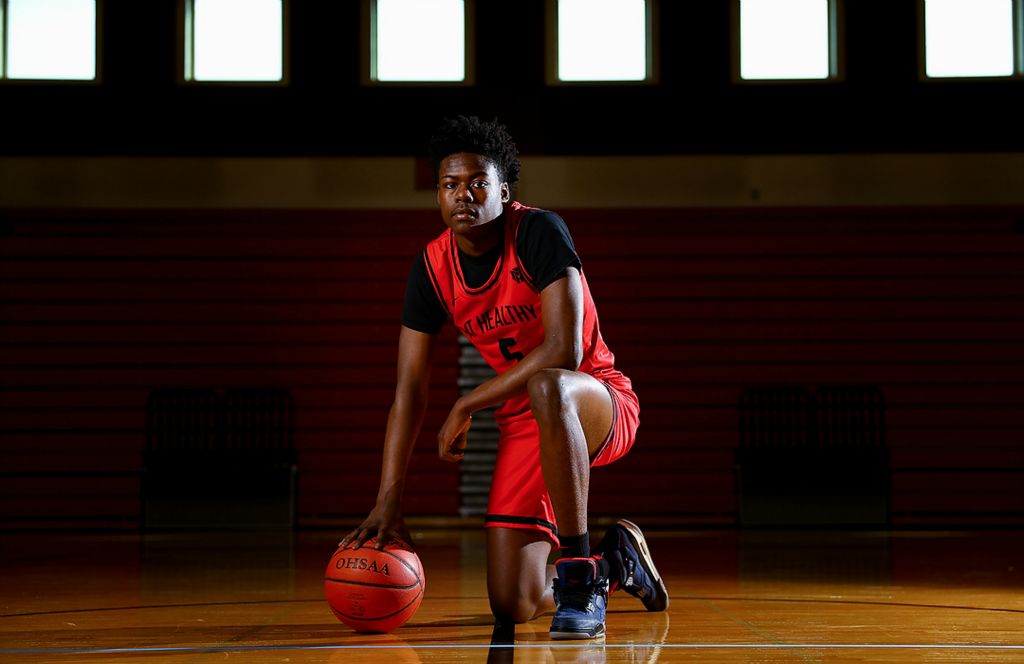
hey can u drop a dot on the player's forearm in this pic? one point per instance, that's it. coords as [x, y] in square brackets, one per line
[404, 422]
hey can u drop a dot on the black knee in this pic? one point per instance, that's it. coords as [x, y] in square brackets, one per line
[512, 610]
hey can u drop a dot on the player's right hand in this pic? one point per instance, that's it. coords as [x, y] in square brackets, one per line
[451, 439]
[385, 523]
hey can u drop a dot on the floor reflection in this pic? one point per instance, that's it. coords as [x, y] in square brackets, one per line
[253, 565]
[196, 596]
[502, 639]
[637, 645]
[386, 648]
[812, 557]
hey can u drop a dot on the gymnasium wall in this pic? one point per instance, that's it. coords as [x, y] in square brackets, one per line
[100, 307]
[867, 230]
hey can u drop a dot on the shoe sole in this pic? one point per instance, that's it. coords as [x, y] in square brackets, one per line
[640, 544]
[576, 636]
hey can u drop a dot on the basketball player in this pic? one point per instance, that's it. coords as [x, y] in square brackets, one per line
[509, 278]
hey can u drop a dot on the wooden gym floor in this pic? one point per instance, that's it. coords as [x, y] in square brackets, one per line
[751, 596]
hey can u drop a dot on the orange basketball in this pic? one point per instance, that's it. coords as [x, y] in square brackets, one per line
[374, 591]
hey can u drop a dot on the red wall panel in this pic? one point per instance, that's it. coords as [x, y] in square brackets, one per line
[99, 308]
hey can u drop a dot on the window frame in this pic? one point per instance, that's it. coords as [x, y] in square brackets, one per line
[1018, 50]
[97, 79]
[186, 49]
[368, 54]
[551, 50]
[836, 50]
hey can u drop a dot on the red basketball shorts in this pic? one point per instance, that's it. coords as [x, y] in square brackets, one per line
[519, 497]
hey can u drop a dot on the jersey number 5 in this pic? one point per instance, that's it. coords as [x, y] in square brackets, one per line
[505, 345]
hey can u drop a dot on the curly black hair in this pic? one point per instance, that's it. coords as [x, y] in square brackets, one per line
[470, 134]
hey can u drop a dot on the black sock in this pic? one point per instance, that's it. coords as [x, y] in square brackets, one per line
[575, 546]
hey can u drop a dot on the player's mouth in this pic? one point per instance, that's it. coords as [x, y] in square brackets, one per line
[463, 214]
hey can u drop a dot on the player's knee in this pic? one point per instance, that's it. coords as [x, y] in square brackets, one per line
[513, 602]
[548, 393]
[513, 609]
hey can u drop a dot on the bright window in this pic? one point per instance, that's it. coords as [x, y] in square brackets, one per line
[968, 38]
[785, 39]
[234, 40]
[418, 40]
[602, 40]
[49, 39]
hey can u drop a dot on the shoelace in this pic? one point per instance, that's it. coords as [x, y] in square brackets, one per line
[629, 582]
[630, 571]
[577, 596]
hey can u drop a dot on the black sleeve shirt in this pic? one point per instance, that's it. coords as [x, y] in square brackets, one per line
[545, 248]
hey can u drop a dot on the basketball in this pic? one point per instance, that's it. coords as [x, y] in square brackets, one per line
[374, 591]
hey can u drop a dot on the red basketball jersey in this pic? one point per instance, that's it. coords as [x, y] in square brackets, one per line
[502, 318]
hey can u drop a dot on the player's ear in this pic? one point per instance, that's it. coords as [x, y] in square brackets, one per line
[506, 193]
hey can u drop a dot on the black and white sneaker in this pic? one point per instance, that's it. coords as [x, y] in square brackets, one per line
[625, 549]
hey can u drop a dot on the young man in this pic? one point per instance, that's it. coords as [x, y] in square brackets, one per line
[509, 278]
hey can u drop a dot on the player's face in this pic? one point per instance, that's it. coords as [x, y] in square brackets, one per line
[470, 191]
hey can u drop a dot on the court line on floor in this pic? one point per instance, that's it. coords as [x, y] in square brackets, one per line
[521, 646]
[815, 600]
[139, 607]
[677, 596]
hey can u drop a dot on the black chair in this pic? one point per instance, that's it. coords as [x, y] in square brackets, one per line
[812, 459]
[219, 462]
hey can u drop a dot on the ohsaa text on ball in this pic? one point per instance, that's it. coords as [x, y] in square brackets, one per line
[362, 563]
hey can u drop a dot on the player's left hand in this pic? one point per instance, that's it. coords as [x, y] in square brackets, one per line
[451, 440]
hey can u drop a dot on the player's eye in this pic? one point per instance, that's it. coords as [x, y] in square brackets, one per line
[480, 184]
